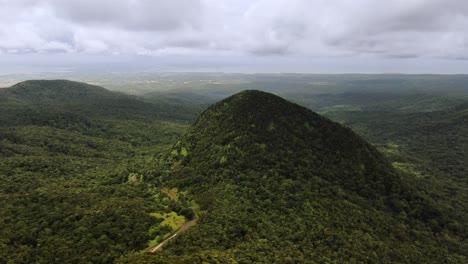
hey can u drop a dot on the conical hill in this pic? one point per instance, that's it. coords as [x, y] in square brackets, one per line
[275, 182]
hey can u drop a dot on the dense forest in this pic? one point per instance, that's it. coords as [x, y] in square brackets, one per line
[93, 176]
[72, 166]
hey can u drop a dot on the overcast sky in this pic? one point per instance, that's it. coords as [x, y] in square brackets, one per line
[235, 35]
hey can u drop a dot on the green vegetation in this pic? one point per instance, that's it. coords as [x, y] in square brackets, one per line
[93, 176]
[171, 219]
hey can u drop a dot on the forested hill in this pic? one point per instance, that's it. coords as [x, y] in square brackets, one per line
[258, 131]
[57, 92]
[278, 183]
[71, 98]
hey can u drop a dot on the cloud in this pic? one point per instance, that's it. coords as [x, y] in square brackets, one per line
[365, 27]
[136, 15]
[340, 28]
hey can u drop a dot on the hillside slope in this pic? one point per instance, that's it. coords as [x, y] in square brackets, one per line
[439, 137]
[278, 183]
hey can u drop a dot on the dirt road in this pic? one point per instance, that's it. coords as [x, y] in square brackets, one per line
[179, 231]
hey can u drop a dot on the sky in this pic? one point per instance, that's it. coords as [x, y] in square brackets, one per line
[316, 36]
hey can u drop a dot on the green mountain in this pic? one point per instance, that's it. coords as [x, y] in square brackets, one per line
[278, 183]
[256, 131]
[77, 100]
[57, 92]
